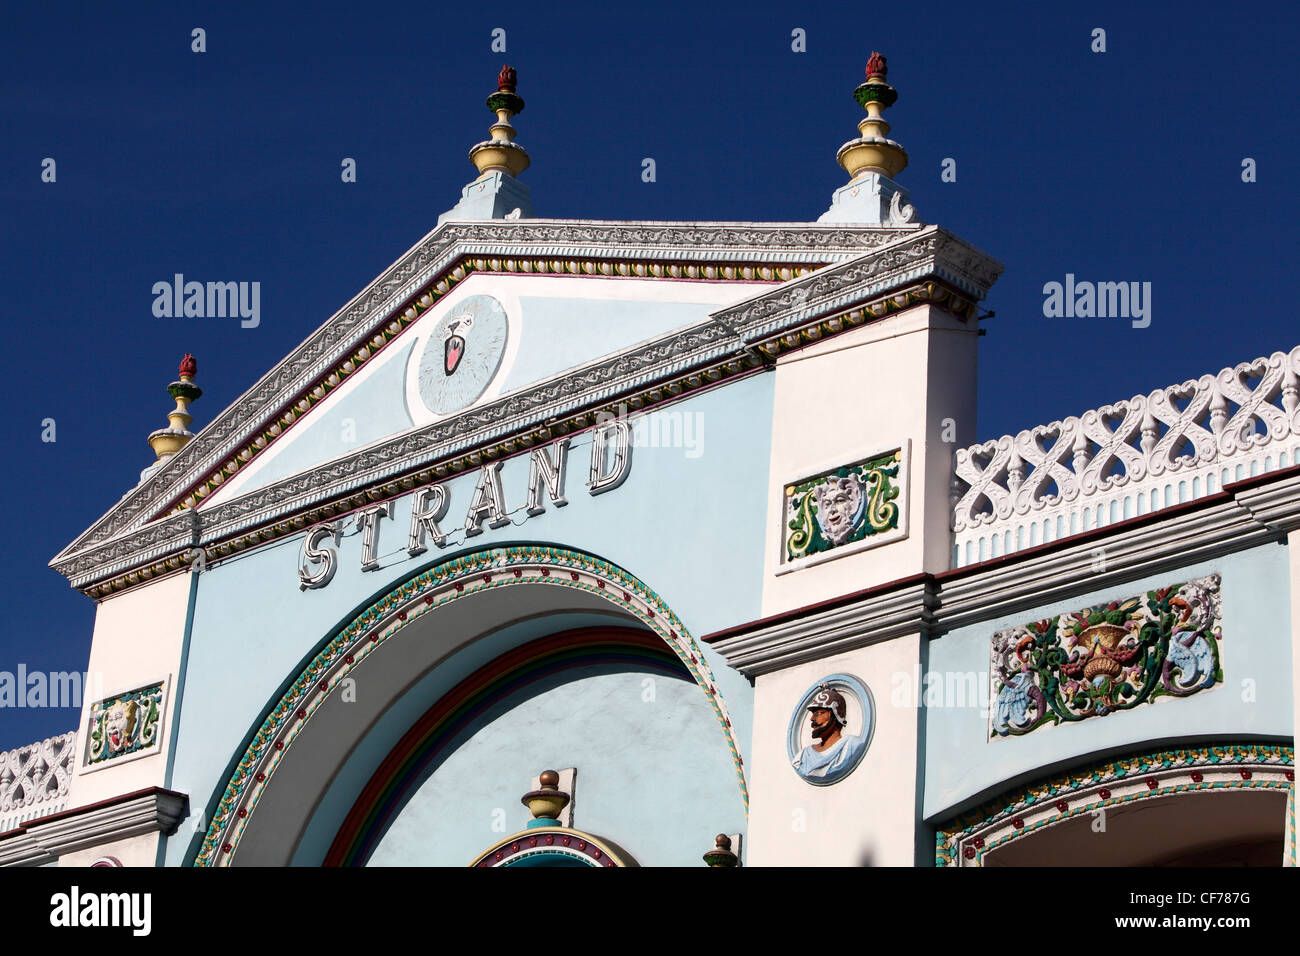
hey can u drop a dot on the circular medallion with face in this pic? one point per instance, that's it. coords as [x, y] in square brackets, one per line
[830, 729]
[463, 354]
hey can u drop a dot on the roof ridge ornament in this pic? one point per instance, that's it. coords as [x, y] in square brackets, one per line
[166, 442]
[497, 193]
[501, 152]
[872, 159]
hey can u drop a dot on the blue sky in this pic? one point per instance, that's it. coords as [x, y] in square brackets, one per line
[1115, 166]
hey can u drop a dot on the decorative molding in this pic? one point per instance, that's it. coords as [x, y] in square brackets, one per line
[430, 268]
[1106, 658]
[935, 604]
[427, 591]
[555, 841]
[965, 840]
[1129, 458]
[145, 811]
[34, 779]
[728, 344]
[844, 509]
[821, 633]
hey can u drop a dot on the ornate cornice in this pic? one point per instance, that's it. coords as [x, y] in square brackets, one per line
[154, 810]
[732, 341]
[440, 260]
[906, 609]
[935, 604]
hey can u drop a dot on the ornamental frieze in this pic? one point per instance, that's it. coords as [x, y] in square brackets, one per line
[358, 322]
[359, 325]
[1098, 660]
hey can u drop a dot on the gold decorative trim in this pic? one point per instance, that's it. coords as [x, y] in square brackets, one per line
[428, 297]
[763, 354]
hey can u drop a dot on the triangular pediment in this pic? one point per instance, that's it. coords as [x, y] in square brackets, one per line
[562, 313]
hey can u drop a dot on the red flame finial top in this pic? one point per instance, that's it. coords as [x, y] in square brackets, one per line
[507, 79]
[188, 366]
[876, 65]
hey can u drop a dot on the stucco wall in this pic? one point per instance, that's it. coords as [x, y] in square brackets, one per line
[686, 522]
[1253, 701]
[654, 775]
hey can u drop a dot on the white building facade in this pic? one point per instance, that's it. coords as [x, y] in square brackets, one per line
[694, 515]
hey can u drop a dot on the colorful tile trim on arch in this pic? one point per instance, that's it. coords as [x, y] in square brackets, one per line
[965, 840]
[1093, 662]
[492, 568]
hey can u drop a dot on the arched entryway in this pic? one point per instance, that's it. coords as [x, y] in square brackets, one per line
[1229, 805]
[307, 735]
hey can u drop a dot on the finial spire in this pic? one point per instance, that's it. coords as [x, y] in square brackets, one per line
[721, 854]
[872, 159]
[496, 193]
[546, 803]
[501, 152]
[873, 151]
[168, 441]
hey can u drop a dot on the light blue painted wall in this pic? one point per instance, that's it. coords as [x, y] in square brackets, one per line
[689, 522]
[343, 423]
[554, 335]
[384, 736]
[557, 334]
[960, 760]
[653, 775]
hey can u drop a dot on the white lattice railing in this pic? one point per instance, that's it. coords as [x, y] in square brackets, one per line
[34, 779]
[1127, 459]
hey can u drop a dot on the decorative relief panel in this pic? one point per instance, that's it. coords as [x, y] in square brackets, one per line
[843, 510]
[830, 729]
[462, 355]
[126, 725]
[1106, 658]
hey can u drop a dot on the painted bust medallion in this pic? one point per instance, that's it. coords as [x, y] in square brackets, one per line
[830, 730]
[463, 354]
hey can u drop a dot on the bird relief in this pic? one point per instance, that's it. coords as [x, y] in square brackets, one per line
[1107, 658]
